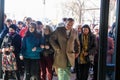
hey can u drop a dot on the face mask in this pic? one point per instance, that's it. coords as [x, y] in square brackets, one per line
[11, 33]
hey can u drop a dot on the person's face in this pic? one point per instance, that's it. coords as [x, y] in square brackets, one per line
[69, 24]
[85, 31]
[28, 22]
[11, 30]
[31, 29]
[39, 28]
[14, 21]
[8, 23]
[46, 31]
[79, 29]
[20, 26]
[96, 31]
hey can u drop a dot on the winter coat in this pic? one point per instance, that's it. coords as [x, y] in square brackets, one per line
[28, 43]
[64, 47]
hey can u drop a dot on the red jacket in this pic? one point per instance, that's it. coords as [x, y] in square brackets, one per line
[23, 31]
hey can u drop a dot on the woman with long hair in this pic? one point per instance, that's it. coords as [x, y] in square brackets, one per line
[31, 52]
[46, 61]
[88, 48]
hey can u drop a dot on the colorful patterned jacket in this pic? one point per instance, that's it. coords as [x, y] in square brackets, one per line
[9, 62]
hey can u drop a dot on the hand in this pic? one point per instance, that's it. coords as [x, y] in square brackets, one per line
[34, 49]
[85, 53]
[47, 47]
[76, 55]
[21, 57]
[42, 46]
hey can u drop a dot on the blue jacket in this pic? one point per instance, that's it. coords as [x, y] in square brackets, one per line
[28, 44]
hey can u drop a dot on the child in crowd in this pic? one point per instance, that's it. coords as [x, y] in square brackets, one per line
[9, 63]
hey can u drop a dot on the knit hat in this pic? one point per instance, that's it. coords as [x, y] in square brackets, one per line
[20, 22]
[39, 23]
[13, 26]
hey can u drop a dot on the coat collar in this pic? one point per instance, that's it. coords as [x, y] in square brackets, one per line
[65, 34]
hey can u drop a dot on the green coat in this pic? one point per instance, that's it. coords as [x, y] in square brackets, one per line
[64, 47]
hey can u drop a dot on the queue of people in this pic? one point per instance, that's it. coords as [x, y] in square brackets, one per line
[33, 50]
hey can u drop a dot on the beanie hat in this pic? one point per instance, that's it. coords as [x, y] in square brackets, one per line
[39, 22]
[20, 22]
[13, 26]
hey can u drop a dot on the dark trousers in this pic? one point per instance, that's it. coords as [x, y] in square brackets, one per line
[76, 68]
[32, 69]
[46, 67]
[95, 69]
[10, 75]
[83, 71]
[18, 71]
[20, 65]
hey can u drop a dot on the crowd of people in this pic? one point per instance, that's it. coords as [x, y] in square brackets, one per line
[34, 51]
